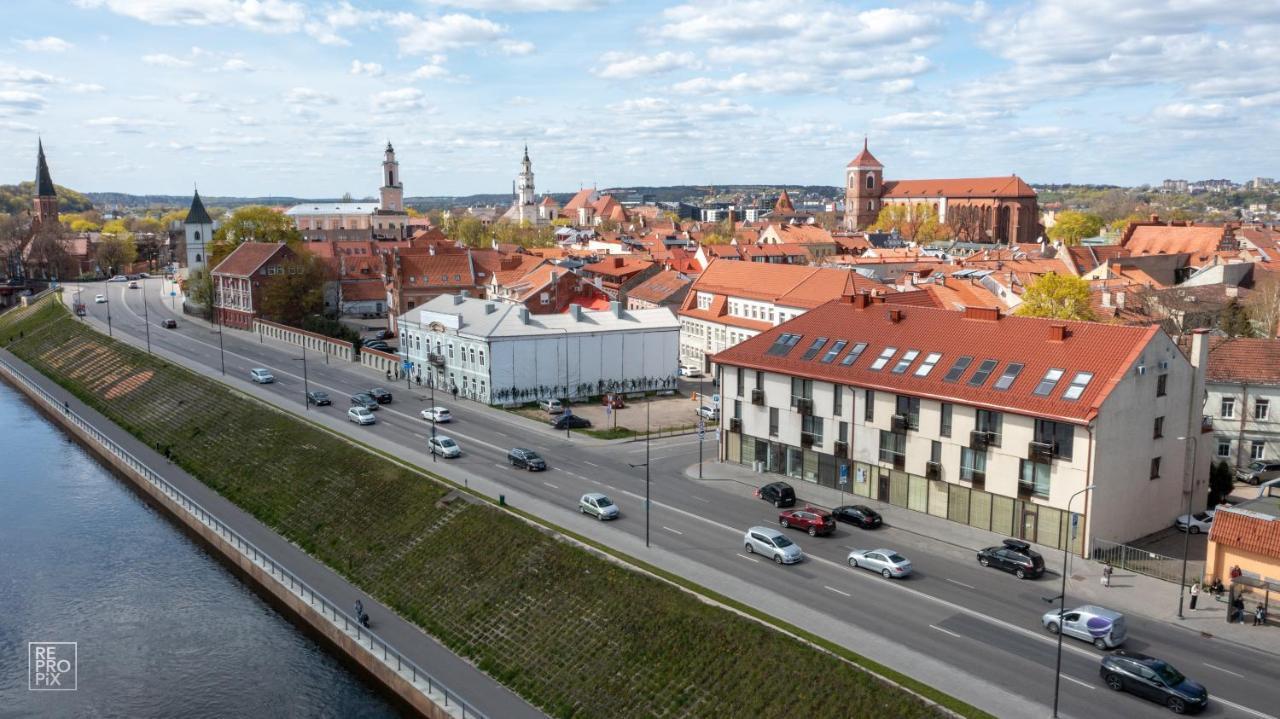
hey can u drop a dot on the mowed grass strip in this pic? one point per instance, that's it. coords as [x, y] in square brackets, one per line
[576, 635]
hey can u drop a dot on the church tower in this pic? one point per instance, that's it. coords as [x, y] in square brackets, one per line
[45, 204]
[392, 190]
[863, 188]
[524, 181]
[198, 228]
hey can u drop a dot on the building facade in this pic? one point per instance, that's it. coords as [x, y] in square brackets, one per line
[354, 221]
[242, 277]
[523, 208]
[1243, 400]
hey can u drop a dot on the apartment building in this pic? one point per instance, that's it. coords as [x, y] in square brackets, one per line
[1243, 386]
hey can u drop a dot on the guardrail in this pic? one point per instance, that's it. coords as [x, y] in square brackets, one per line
[302, 338]
[1142, 561]
[404, 667]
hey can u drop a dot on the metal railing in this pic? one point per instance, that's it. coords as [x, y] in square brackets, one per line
[378, 648]
[1142, 561]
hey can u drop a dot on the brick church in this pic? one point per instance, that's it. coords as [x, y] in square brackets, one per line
[977, 209]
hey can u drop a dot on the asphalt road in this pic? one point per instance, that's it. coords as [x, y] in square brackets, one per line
[972, 632]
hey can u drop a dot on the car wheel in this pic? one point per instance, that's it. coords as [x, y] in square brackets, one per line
[1255, 481]
[1195, 529]
[813, 531]
[750, 550]
[984, 562]
[784, 524]
[1100, 643]
[1053, 627]
[600, 517]
[1019, 574]
[853, 562]
[886, 573]
[777, 559]
[1115, 682]
[1177, 706]
[583, 510]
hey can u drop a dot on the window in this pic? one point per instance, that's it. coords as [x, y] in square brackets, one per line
[1048, 382]
[871, 182]
[812, 426]
[1228, 410]
[935, 452]
[1261, 409]
[927, 365]
[957, 369]
[988, 421]
[813, 348]
[1059, 435]
[737, 409]
[1257, 448]
[883, 359]
[985, 369]
[830, 356]
[973, 465]
[853, 355]
[759, 380]
[773, 421]
[1224, 448]
[1011, 372]
[1161, 382]
[1159, 430]
[1155, 465]
[893, 448]
[1081, 380]
[837, 399]
[1033, 478]
[909, 408]
[844, 433]
[783, 344]
[905, 361]
[450, 350]
[869, 409]
[801, 389]
[944, 428]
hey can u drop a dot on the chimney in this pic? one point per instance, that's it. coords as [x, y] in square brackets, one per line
[1155, 218]
[490, 308]
[1057, 333]
[575, 311]
[618, 262]
[895, 316]
[1232, 291]
[523, 314]
[457, 299]
[860, 300]
[1199, 350]
[988, 314]
[616, 308]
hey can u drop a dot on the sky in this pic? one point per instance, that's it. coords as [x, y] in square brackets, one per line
[284, 97]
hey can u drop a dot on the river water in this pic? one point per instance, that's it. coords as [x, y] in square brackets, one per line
[162, 628]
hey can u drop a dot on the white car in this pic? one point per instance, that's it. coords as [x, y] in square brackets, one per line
[1198, 522]
[261, 376]
[118, 278]
[690, 371]
[773, 544]
[885, 561]
[99, 299]
[709, 413]
[439, 415]
[133, 285]
[598, 506]
[360, 415]
[444, 446]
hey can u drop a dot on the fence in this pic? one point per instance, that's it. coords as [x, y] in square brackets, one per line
[379, 649]
[302, 338]
[381, 362]
[1142, 561]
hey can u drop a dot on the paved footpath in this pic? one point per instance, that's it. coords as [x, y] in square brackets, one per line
[454, 672]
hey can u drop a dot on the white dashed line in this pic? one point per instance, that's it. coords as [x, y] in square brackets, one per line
[1228, 671]
[1086, 685]
[837, 591]
[751, 559]
[551, 485]
[966, 586]
[673, 531]
[945, 631]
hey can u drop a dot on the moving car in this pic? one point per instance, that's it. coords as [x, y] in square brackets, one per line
[814, 521]
[885, 561]
[598, 506]
[319, 398]
[779, 494]
[1198, 522]
[613, 400]
[690, 371]
[1259, 471]
[439, 415]
[772, 544]
[364, 399]
[99, 299]
[858, 515]
[1153, 679]
[1102, 627]
[118, 278]
[169, 324]
[1014, 556]
[382, 335]
[133, 285]
[360, 415]
[261, 376]
[444, 446]
[381, 395]
[551, 406]
[377, 345]
[570, 421]
[709, 413]
[522, 458]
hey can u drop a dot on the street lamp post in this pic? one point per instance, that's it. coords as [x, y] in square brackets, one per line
[1062, 608]
[108, 296]
[306, 389]
[1186, 541]
[646, 471]
[431, 382]
[146, 316]
[701, 425]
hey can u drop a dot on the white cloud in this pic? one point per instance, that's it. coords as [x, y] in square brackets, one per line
[931, 120]
[237, 64]
[45, 44]
[429, 72]
[21, 76]
[165, 60]
[1193, 112]
[127, 125]
[269, 16]
[784, 82]
[307, 97]
[368, 69]
[423, 36]
[20, 102]
[516, 47]
[405, 99]
[527, 5]
[622, 66]
[192, 98]
[898, 87]
[86, 88]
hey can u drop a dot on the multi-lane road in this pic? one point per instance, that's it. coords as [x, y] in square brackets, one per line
[971, 632]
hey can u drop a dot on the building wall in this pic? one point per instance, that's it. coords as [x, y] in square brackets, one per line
[1220, 559]
[1243, 436]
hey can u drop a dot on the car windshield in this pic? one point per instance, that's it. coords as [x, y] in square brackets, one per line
[604, 502]
[1257, 466]
[1202, 516]
[897, 559]
[531, 455]
[1167, 674]
[781, 541]
[446, 442]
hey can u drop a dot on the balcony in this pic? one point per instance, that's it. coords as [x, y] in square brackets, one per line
[976, 479]
[435, 359]
[807, 439]
[979, 440]
[757, 396]
[933, 470]
[735, 424]
[899, 423]
[1206, 424]
[803, 405]
[842, 449]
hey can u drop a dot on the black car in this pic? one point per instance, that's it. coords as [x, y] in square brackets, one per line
[382, 335]
[381, 395]
[318, 398]
[1153, 679]
[169, 324]
[779, 494]
[364, 399]
[570, 421]
[1014, 556]
[377, 345]
[858, 515]
[522, 458]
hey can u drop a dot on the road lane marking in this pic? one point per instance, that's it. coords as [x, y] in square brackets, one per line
[551, 485]
[700, 499]
[593, 464]
[632, 494]
[945, 631]
[837, 591]
[966, 586]
[1228, 671]
[1244, 709]
[1086, 685]
[673, 531]
[752, 559]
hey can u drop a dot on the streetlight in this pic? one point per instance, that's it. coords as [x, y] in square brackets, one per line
[701, 424]
[1186, 541]
[306, 389]
[1062, 607]
[146, 316]
[646, 470]
[431, 382]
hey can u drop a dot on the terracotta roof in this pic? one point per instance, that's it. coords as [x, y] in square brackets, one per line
[422, 269]
[660, 287]
[1239, 359]
[1104, 350]
[775, 251]
[246, 258]
[865, 158]
[549, 201]
[783, 206]
[610, 266]
[583, 199]
[511, 268]
[1009, 186]
[800, 234]
[1087, 258]
[789, 285]
[356, 290]
[956, 294]
[1200, 242]
[1246, 527]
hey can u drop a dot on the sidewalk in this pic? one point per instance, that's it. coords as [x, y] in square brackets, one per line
[1129, 593]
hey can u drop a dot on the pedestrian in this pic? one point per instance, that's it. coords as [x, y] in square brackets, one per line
[1195, 593]
[1235, 571]
[388, 375]
[1106, 574]
[1216, 588]
[1259, 616]
[1237, 610]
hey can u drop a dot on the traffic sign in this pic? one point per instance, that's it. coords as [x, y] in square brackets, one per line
[702, 429]
[406, 365]
[844, 474]
[173, 293]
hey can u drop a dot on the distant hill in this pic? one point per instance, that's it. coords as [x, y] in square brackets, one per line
[17, 198]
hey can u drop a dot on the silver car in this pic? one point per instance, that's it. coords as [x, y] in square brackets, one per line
[360, 415]
[885, 561]
[1102, 627]
[261, 376]
[598, 506]
[444, 446]
[773, 544]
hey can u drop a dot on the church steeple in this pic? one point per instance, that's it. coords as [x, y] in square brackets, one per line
[197, 215]
[392, 192]
[45, 204]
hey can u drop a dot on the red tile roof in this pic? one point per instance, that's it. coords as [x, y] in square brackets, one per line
[1010, 186]
[245, 259]
[1248, 532]
[611, 267]
[1200, 242]
[783, 206]
[800, 234]
[1087, 258]
[353, 290]
[790, 285]
[660, 287]
[865, 158]
[419, 269]
[1252, 361]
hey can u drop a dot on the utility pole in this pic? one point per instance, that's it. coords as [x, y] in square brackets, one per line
[431, 382]
[1062, 607]
[646, 472]
[146, 316]
[1186, 541]
[306, 389]
[108, 296]
[702, 425]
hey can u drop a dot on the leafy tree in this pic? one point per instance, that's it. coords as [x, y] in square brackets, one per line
[1118, 226]
[1061, 297]
[116, 252]
[171, 217]
[608, 225]
[1233, 320]
[1221, 482]
[80, 224]
[252, 223]
[1071, 227]
[145, 225]
[915, 222]
[199, 289]
[467, 231]
[1264, 302]
[48, 254]
[298, 293]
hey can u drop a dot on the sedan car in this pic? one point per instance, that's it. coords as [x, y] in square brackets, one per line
[99, 299]
[598, 506]
[885, 561]
[1198, 522]
[859, 515]
[1014, 556]
[360, 415]
[318, 398]
[570, 421]
[364, 399]
[709, 413]
[118, 278]
[1101, 627]
[133, 285]
[261, 376]
[690, 371]
[1259, 471]
[814, 521]
[381, 395]
[444, 446]
[772, 544]
[1153, 679]
[377, 345]
[169, 324]
[522, 458]
[439, 415]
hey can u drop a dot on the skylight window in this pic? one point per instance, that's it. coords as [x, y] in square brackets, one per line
[984, 371]
[957, 369]
[853, 355]
[905, 361]
[883, 359]
[1011, 372]
[927, 365]
[832, 353]
[783, 344]
[813, 348]
[1078, 383]
[1048, 383]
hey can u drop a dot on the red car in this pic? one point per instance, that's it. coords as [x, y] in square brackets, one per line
[814, 521]
[613, 400]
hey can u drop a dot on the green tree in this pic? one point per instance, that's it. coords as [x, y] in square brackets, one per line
[298, 293]
[80, 224]
[1071, 227]
[252, 223]
[468, 231]
[116, 252]
[1221, 482]
[199, 290]
[1233, 320]
[1264, 302]
[916, 222]
[1060, 297]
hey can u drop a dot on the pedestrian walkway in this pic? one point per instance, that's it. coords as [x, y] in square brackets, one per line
[1129, 593]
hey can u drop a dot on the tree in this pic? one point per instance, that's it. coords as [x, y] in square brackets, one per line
[298, 293]
[1233, 320]
[1221, 482]
[199, 291]
[467, 231]
[80, 224]
[1055, 296]
[116, 252]
[1071, 227]
[1264, 302]
[916, 222]
[252, 223]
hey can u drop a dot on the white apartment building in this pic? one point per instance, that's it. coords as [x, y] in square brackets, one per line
[1243, 386]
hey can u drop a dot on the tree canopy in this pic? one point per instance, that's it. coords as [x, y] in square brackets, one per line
[915, 222]
[298, 293]
[17, 198]
[1055, 296]
[252, 223]
[1234, 321]
[1071, 227]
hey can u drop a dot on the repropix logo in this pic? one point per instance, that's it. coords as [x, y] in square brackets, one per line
[51, 666]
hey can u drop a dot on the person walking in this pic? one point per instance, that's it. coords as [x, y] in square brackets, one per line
[1259, 616]
[1237, 610]
[1195, 593]
[1106, 574]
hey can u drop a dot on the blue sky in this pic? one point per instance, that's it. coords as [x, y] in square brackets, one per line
[259, 97]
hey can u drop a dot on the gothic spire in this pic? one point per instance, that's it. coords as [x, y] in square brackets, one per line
[44, 183]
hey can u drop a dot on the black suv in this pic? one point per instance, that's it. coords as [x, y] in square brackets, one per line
[779, 494]
[859, 515]
[1014, 556]
[522, 458]
[570, 421]
[318, 398]
[381, 395]
[1153, 679]
[364, 399]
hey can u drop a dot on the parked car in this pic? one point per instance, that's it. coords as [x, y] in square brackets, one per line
[613, 400]
[779, 494]
[169, 324]
[1153, 679]
[570, 421]
[261, 376]
[551, 406]
[364, 399]
[133, 285]
[444, 446]
[1259, 471]
[99, 299]
[1014, 556]
[360, 415]
[377, 345]
[382, 335]
[885, 561]
[1197, 523]
[711, 414]
[118, 278]
[772, 544]
[522, 458]
[690, 371]
[598, 506]
[858, 515]
[319, 398]
[381, 395]
[1101, 627]
[814, 521]
[439, 415]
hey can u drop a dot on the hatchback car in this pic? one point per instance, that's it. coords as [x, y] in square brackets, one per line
[551, 406]
[1153, 679]
[319, 398]
[360, 415]
[779, 494]
[885, 561]
[1259, 471]
[439, 415]
[614, 401]
[522, 458]
[772, 544]
[118, 278]
[709, 413]
[858, 515]
[261, 376]
[444, 446]
[814, 521]
[598, 506]
[1101, 627]
[381, 395]
[99, 299]
[169, 324]
[133, 285]
[364, 399]
[1195, 523]
[1014, 556]
[570, 421]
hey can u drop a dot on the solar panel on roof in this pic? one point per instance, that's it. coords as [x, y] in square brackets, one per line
[927, 365]
[813, 348]
[834, 351]
[957, 369]
[984, 371]
[883, 359]
[1011, 372]
[905, 361]
[853, 355]
[1078, 383]
[1048, 382]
